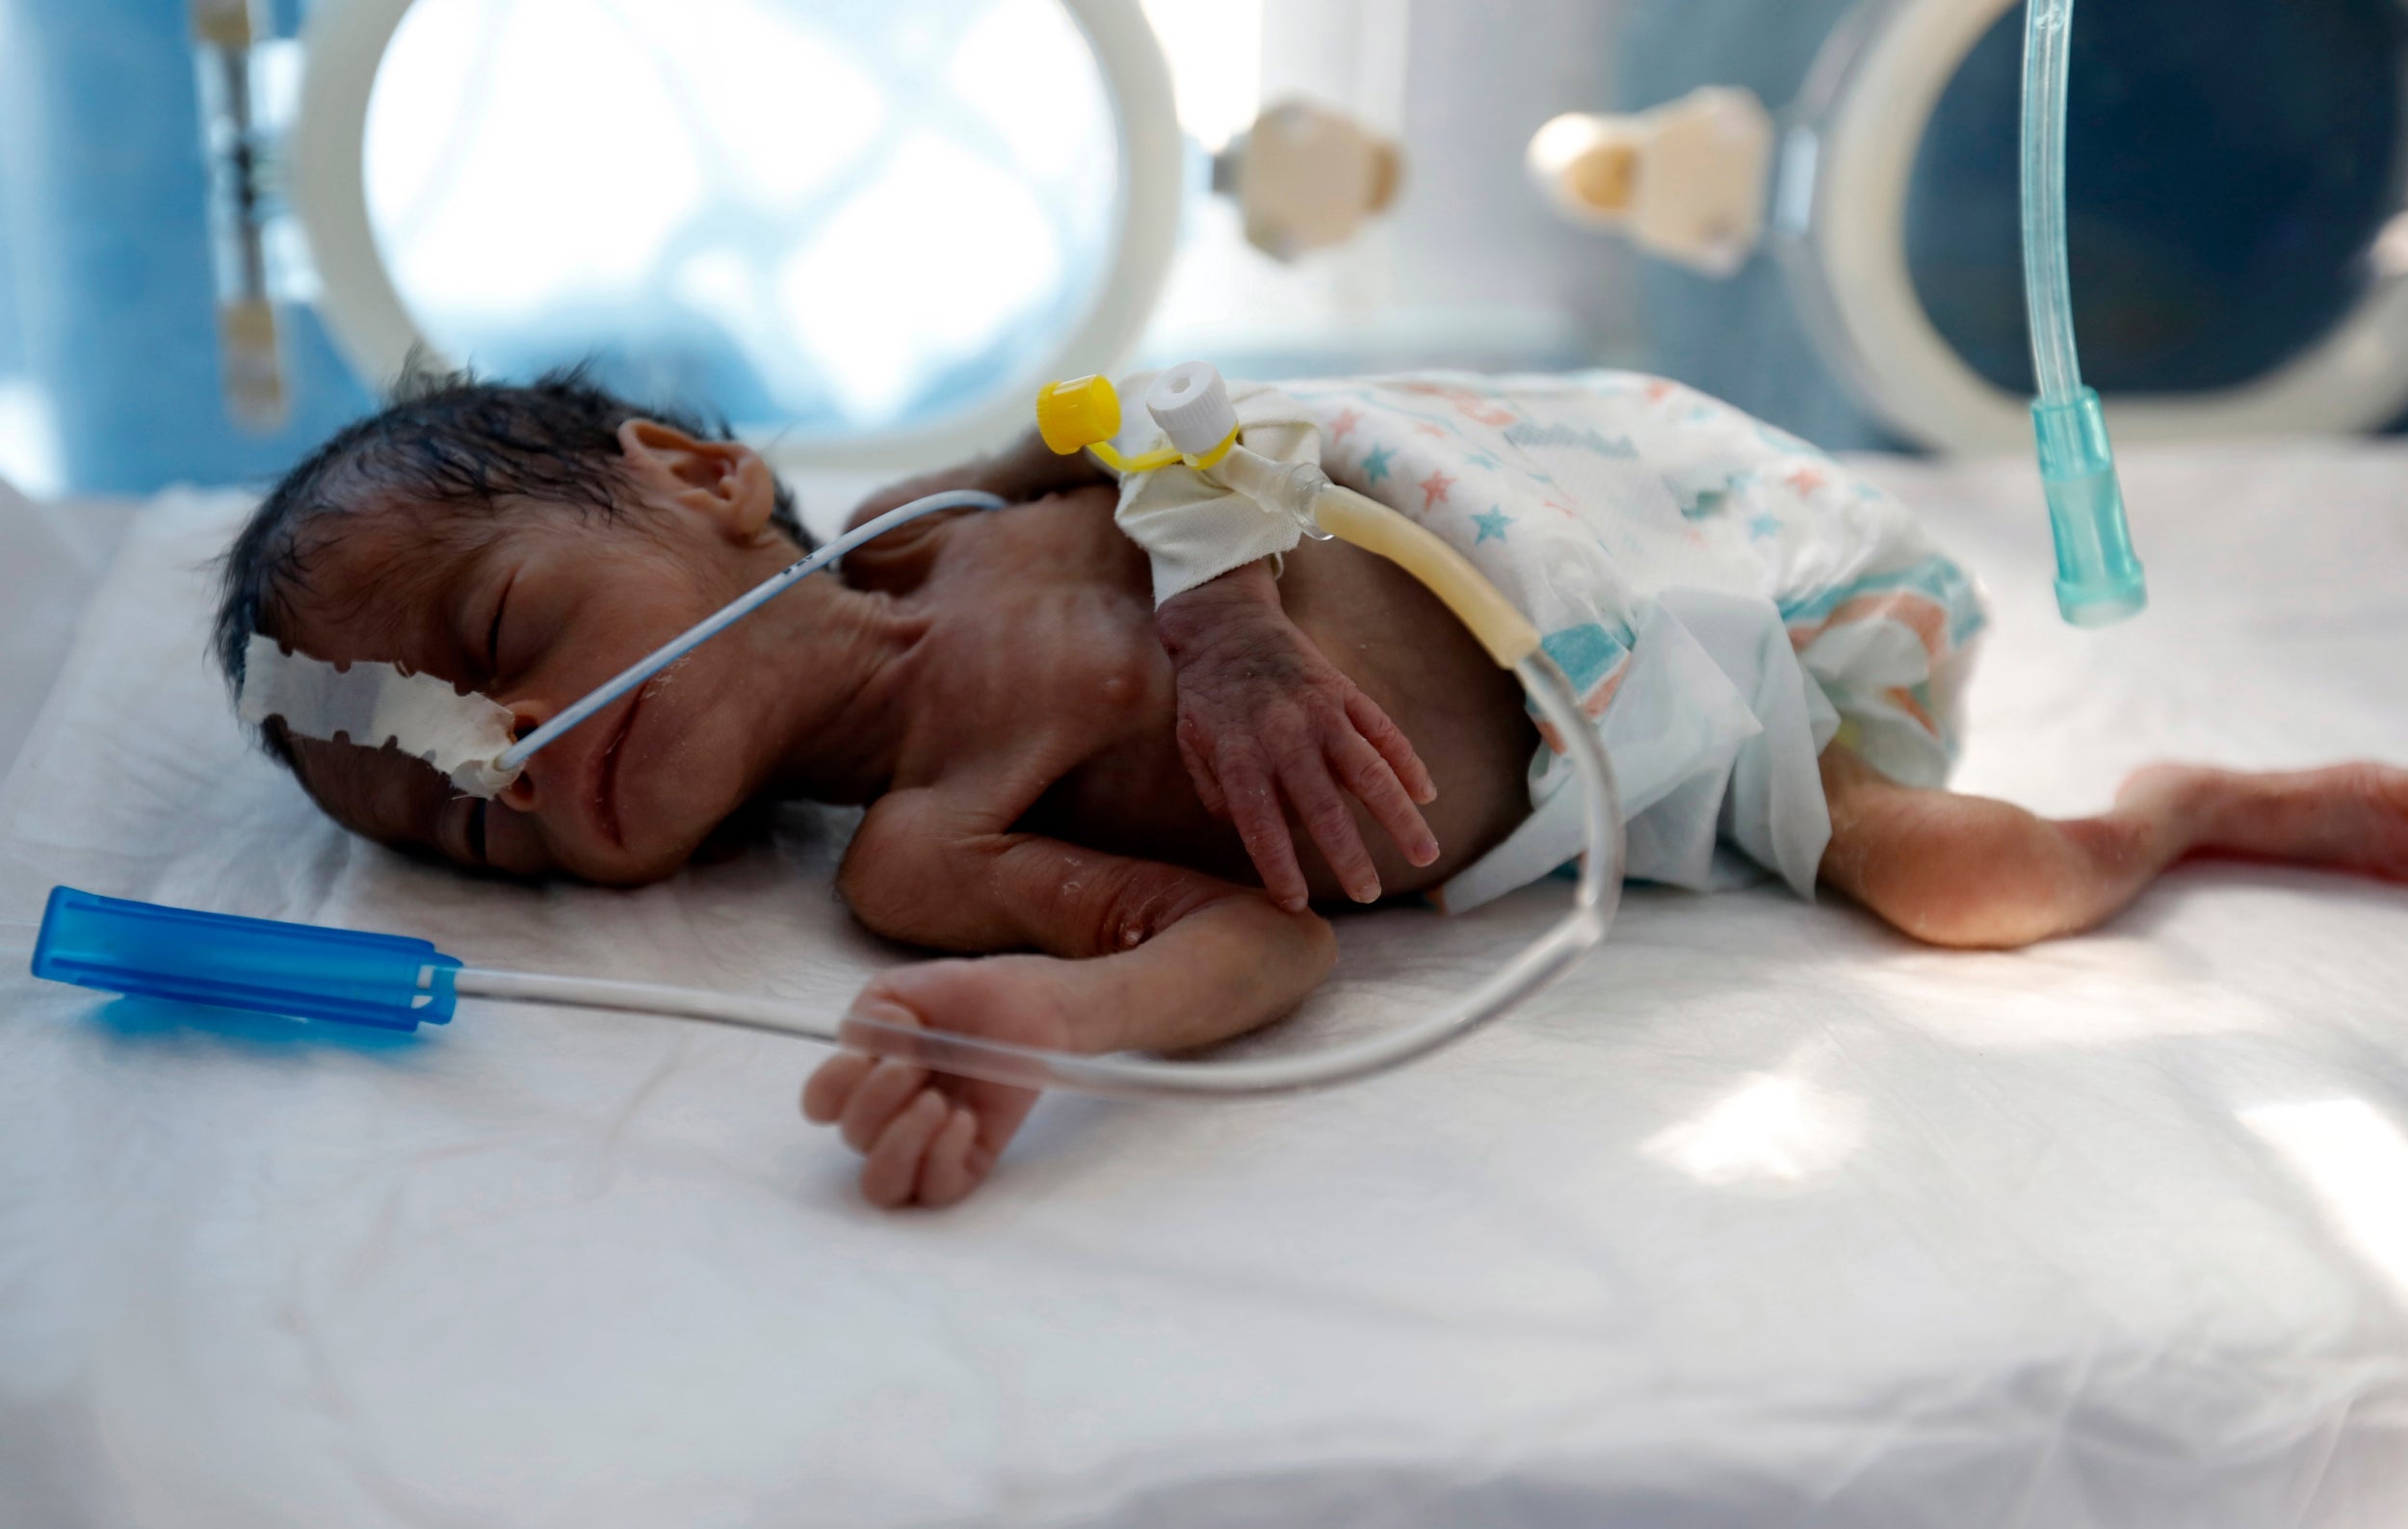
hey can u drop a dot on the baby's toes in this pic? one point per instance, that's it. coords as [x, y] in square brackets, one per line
[879, 1099]
[826, 1091]
[892, 1168]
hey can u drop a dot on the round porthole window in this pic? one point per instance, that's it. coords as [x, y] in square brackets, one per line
[2234, 201]
[839, 223]
[2230, 164]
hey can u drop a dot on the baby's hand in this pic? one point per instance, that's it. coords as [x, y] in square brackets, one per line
[1263, 716]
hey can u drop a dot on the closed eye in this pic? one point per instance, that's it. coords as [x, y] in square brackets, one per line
[493, 633]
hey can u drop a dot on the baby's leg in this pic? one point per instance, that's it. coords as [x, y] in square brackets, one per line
[1971, 872]
[1217, 972]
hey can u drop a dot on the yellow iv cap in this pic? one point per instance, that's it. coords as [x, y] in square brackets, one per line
[1077, 414]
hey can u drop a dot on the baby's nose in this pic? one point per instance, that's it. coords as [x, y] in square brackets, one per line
[524, 793]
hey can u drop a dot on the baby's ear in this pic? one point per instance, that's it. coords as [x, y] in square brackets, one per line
[724, 480]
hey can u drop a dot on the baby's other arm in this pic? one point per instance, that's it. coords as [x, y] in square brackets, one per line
[1265, 716]
[1137, 955]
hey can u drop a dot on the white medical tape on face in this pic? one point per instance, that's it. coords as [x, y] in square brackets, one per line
[373, 704]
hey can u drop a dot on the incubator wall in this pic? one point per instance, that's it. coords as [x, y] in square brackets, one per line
[877, 252]
[104, 220]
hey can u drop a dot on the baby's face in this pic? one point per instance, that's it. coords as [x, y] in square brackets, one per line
[534, 608]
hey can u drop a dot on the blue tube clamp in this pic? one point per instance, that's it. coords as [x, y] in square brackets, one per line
[142, 950]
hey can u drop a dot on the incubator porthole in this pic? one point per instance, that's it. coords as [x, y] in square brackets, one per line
[823, 219]
[2231, 169]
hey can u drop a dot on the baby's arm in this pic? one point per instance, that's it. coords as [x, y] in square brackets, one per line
[1264, 716]
[1138, 955]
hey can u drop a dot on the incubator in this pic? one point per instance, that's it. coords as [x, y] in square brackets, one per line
[369, 979]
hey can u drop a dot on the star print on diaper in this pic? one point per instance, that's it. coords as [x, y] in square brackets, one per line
[1492, 525]
[1376, 463]
[1434, 490]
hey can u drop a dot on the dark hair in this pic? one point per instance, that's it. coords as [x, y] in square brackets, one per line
[451, 439]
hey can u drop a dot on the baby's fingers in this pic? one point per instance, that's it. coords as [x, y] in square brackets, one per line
[954, 1160]
[824, 1095]
[1367, 775]
[893, 1166]
[1393, 746]
[1195, 753]
[882, 1095]
[1331, 823]
[1254, 808]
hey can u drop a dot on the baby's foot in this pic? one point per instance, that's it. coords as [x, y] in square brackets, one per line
[2351, 817]
[927, 1138]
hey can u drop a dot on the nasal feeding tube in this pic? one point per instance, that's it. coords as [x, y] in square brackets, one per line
[398, 982]
[2098, 579]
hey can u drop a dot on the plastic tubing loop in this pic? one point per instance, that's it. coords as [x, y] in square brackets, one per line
[1594, 900]
[734, 611]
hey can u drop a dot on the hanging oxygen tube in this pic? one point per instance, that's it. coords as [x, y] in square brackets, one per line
[2098, 579]
[394, 982]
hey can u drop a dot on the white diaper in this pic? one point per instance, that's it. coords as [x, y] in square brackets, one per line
[1726, 598]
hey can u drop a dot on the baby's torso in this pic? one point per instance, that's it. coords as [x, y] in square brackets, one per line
[1044, 657]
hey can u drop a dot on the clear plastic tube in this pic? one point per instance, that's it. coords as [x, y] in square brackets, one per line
[1583, 927]
[736, 610]
[2048, 279]
[1509, 639]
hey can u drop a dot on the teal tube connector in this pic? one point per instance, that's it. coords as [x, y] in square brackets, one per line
[2099, 580]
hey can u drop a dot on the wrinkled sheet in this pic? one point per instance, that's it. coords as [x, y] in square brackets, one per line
[1767, 1217]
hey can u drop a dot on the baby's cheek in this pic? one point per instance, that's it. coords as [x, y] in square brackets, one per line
[514, 842]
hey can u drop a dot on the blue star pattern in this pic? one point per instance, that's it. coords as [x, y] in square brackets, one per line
[1376, 464]
[1492, 525]
[1764, 527]
[1585, 438]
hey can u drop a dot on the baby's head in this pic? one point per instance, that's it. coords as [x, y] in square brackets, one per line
[526, 543]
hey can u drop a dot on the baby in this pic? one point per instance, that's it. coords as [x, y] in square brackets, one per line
[1124, 776]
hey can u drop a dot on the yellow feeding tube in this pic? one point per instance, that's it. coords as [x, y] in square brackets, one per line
[1085, 415]
[1502, 629]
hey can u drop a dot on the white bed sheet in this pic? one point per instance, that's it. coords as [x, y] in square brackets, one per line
[52, 553]
[1767, 1217]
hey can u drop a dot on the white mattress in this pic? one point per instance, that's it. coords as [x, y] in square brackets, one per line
[1767, 1217]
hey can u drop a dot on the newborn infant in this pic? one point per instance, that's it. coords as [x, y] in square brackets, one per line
[1125, 791]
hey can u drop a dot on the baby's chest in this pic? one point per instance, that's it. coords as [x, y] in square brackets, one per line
[1075, 703]
[1045, 675]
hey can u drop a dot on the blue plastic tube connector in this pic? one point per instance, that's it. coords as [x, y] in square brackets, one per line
[142, 950]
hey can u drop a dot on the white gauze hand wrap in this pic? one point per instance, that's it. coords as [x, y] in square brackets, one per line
[373, 705]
